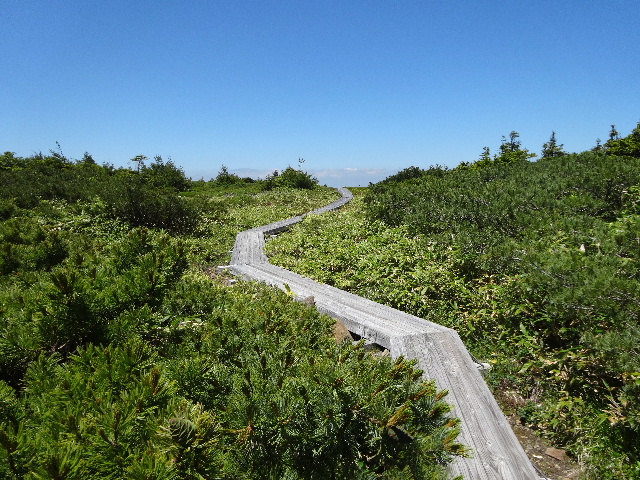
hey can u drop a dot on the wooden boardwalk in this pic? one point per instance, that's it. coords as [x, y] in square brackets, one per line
[497, 454]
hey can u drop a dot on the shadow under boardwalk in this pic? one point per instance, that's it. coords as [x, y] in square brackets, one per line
[440, 353]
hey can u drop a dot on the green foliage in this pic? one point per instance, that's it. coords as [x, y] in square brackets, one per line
[98, 416]
[551, 149]
[511, 152]
[86, 298]
[163, 174]
[535, 264]
[377, 262]
[631, 201]
[255, 387]
[26, 245]
[147, 197]
[297, 403]
[226, 178]
[118, 359]
[406, 174]
[490, 210]
[183, 431]
[134, 200]
[627, 146]
[291, 178]
[227, 210]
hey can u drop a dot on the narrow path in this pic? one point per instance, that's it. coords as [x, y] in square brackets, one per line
[497, 454]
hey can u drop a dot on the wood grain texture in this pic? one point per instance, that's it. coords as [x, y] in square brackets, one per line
[440, 353]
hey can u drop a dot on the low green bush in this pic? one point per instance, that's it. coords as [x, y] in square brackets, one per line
[290, 178]
[120, 358]
[254, 385]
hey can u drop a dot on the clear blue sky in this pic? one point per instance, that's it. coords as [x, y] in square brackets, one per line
[359, 89]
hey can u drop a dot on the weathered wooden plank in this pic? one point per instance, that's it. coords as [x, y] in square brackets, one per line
[283, 225]
[346, 306]
[347, 196]
[439, 351]
[497, 452]
[249, 248]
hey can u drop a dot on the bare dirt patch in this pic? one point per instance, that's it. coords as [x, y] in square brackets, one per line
[553, 462]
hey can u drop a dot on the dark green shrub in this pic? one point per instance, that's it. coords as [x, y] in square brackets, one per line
[26, 245]
[130, 198]
[8, 208]
[95, 296]
[97, 416]
[145, 198]
[483, 208]
[225, 178]
[294, 403]
[165, 175]
[627, 146]
[291, 178]
[534, 263]
[406, 174]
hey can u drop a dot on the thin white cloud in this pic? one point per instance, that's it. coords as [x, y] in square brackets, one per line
[254, 173]
[351, 177]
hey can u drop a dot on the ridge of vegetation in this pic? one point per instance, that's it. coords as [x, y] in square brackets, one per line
[121, 358]
[534, 263]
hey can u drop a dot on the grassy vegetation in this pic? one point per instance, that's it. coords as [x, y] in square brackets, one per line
[535, 264]
[121, 358]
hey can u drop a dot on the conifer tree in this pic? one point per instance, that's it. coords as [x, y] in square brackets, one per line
[552, 149]
[599, 147]
[626, 146]
[511, 151]
[485, 158]
[486, 154]
[513, 145]
[613, 134]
